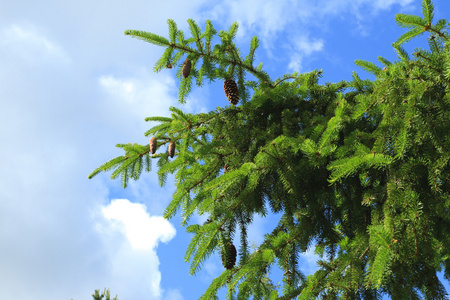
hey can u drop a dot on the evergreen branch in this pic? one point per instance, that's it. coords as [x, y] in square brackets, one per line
[283, 78]
[225, 180]
[107, 166]
[435, 47]
[162, 128]
[410, 21]
[209, 33]
[175, 203]
[216, 284]
[172, 166]
[163, 159]
[196, 33]
[173, 30]
[407, 36]
[346, 166]
[160, 41]
[334, 124]
[148, 163]
[401, 51]
[197, 200]
[106, 293]
[368, 66]
[180, 113]
[241, 273]
[428, 10]
[159, 119]
[309, 147]
[137, 168]
[162, 62]
[380, 265]
[148, 37]
[254, 44]
[384, 61]
[314, 282]
[207, 246]
[123, 167]
[233, 30]
[184, 89]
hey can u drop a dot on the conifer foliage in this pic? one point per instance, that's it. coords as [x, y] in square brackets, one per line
[106, 295]
[359, 169]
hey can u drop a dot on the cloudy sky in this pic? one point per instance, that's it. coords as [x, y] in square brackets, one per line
[73, 85]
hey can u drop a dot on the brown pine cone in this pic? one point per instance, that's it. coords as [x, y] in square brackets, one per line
[171, 149]
[229, 256]
[186, 70]
[153, 144]
[231, 91]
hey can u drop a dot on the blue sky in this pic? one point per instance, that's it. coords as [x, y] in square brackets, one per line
[73, 86]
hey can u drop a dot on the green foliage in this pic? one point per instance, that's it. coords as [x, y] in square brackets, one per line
[105, 294]
[360, 169]
[209, 61]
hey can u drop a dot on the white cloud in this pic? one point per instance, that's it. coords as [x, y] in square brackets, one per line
[173, 295]
[141, 96]
[303, 47]
[213, 268]
[143, 231]
[330, 8]
[308, 46]
[31, 45]
[256, 230]
[386, 4]
[309, 261]
[135, 264]
[268, 19]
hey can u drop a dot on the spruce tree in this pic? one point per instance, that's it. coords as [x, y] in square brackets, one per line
[359, 169]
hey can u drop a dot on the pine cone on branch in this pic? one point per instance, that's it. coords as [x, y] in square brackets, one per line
[186, 70]
[153, 144]
[231, 91]
[229, 255]
[171, 149]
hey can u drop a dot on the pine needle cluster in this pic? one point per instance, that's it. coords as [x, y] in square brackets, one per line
[358, 169]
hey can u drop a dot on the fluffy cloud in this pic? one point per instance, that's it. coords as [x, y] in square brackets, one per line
[26, 42]
[386, 4]
[268, 18]
[134, 259]
[135, 98]
[302, 48]
[141, 96]
[291, 23]
[142, 231]
[309, 261]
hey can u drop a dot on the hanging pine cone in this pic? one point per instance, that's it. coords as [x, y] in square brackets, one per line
[153, 145]
[231, 91]
[186, 70]
[229, 256]
[171, 149]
